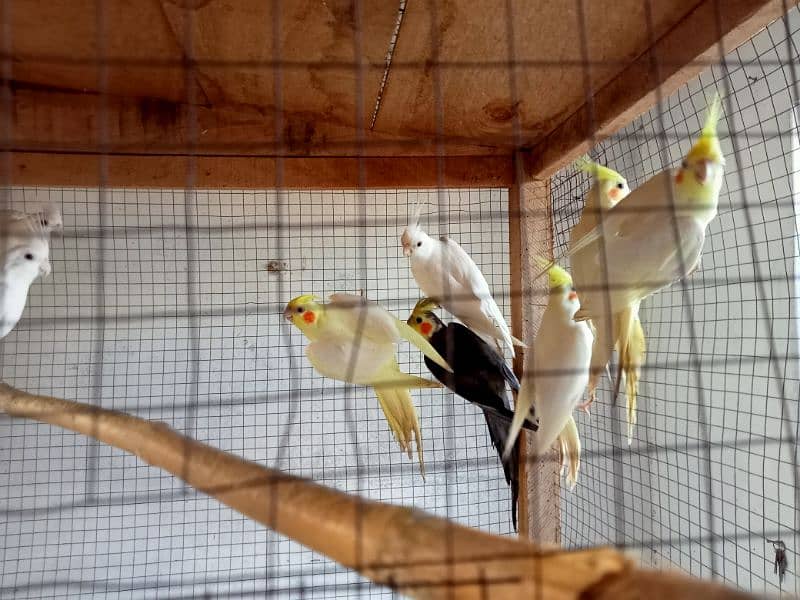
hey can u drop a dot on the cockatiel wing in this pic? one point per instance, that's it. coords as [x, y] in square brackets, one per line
[342, 359]
[651, 200]
[658, 263]
[355, 315]
[467, 275]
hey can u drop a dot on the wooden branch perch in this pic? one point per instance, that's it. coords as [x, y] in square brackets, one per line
[418, 554]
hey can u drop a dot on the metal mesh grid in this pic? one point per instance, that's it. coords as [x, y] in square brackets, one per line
[79, 518]
[711, 474]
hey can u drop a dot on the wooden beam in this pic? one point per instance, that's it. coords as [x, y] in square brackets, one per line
[123, 171]
[712, 29]
[531, 234]
[420, 555]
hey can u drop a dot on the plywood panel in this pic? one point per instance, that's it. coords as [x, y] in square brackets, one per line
[450, 90]
[63, 43]
[471, 40]
[82, 170]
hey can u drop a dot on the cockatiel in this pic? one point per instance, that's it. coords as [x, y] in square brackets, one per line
[446, 273]
[353, 340]
[609, 188]
[555, 378]
[479, 376]
[24, 256]
[652, 239]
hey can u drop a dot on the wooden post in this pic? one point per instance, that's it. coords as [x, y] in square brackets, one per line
[418, 554]
[531, 234]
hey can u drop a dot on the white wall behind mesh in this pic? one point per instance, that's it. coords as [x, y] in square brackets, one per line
[184, 326]
[726, 340]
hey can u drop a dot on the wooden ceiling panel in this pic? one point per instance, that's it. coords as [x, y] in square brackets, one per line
[57, 43]
[475, 79]
[317, 44]
[459, 84]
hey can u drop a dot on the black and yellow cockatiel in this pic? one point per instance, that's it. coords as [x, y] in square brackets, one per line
[479, 376]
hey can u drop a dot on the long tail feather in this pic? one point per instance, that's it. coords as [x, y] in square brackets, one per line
[498, 432]
[401, 416]
[521, 413]
[602, 347]
[409, 334]
[631, 361]
[570, 451]
[509, 376]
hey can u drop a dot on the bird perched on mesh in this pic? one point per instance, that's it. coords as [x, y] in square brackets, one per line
[444, 271]
[556, 375]
[652, 239]
[24, 256]
[353, 340]
[609, 189]
[479, 376]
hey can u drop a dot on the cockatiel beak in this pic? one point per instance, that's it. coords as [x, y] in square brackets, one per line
[405, 240]
[702, 169]
[45, 268]
[287, 314]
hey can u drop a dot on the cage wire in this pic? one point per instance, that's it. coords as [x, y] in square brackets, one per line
[102, 524]
[711, 475]
[163, 304]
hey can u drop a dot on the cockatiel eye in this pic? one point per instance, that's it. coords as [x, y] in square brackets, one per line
[29, 256]
[419, 244]
[621, 186]
[300, 309]
[419, 319]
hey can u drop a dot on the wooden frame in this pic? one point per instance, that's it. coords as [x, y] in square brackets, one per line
[68, 136]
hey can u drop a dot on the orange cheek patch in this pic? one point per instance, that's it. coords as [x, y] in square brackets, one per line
[572, 296]
[309, 317]
[425, 328]
[679, 177]
[614, 193]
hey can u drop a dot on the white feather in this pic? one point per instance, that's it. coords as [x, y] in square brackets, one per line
[444, 271]
[557, 375]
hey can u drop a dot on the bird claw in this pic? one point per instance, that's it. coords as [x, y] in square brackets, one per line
[584, 406]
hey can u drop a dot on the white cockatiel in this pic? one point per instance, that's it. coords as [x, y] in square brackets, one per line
[608, 190]
[656, 235]
[24, 256]
[554, 383]
[446, 273]
[353, 340]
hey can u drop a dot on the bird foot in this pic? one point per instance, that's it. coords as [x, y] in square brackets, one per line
[584, 406]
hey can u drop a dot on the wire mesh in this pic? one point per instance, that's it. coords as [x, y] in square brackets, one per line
[163, 303]
[711, 475]
[112, 527]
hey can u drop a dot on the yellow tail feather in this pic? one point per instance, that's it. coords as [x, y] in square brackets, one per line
[570, 443]
[632, 354]
[401, 416]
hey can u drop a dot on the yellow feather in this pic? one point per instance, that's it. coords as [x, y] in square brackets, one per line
[600, 172]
